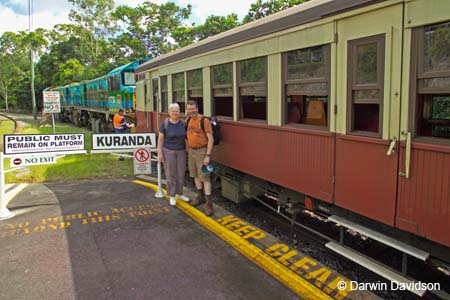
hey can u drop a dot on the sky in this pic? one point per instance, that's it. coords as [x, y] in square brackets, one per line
[47, 13]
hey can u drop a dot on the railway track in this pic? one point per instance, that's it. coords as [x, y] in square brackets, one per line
[8, 118]
[309, 233]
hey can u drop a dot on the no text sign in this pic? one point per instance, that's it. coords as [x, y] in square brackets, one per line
[142, 161]
[51, 102]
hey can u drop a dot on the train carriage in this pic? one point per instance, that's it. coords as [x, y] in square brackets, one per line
[93, 103]
[342, 107]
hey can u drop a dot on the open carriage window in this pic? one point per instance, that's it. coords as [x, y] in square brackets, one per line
[253, 88]
[366, 85]
[178, 90]
[195, 87]
[306, 74]
[222, 90]
[432, 108]
[155, 88]
[164, 102]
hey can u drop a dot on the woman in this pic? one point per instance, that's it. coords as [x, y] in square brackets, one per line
[172, 152]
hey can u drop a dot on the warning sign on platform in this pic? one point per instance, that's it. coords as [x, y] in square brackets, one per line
[38, 143]
[142, 161]
[119, 141]
[51, 102]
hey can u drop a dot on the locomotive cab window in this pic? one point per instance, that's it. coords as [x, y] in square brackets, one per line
[155, 93]
[195, 87]
[306, 74]
[366, 85]
[253, 88]
[164, 104]
[222, 90]
[432, 117]
[178, 90]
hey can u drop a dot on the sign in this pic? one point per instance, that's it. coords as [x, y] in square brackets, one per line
[142, 161]
[21, 161]
[38, 143]
[51, 102]
[122, 141]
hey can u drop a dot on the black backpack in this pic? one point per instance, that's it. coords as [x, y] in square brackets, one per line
[215, 128]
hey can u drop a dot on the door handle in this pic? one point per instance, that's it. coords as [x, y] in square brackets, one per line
[391, 147]
[407, 155]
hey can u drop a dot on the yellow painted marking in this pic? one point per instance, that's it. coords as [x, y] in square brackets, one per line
[296, 283]
[90, 217]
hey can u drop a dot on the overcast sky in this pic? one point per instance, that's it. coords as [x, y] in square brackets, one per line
[47, 13]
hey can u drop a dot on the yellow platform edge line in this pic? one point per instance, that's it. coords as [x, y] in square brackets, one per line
[297, 284]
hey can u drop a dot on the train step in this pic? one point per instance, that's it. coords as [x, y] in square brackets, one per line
[403, 247]
[373, 266]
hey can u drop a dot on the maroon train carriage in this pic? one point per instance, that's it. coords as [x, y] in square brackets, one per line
[342, 107]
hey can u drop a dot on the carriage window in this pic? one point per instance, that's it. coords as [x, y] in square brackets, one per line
[306, 86]
[155, 93]
[164, 104]
[222, 90]
[195, 87]
[253, 88]
[128, 78]
[366, 85]
[433, 81]
[178, 90]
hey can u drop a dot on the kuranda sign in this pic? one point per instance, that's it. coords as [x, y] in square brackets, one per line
[38, 143]
[123, 141]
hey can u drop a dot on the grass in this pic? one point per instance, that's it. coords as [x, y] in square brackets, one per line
[69, 167]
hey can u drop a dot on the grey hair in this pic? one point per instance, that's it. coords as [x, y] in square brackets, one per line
[173, 106]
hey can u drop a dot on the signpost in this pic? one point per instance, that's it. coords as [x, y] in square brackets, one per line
[142, 161]
[52, 104]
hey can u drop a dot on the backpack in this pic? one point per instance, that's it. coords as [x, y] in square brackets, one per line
[217, 136]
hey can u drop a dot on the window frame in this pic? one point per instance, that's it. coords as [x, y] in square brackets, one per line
[416, 91]
[240, 85]
[164, 106]
[352, 86]
[326, 79]
[174, 100]
[155, 94]
[222, 86]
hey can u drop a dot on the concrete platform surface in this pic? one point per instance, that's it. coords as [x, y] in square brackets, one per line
[111, 239]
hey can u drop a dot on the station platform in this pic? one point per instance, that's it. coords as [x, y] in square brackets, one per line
[112, 239]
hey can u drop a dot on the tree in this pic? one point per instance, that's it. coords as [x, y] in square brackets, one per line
[148, 28]
[261, 9]
[213, 25]
[94, 16]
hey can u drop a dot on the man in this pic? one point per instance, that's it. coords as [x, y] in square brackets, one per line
[200, 144]
[120, 124]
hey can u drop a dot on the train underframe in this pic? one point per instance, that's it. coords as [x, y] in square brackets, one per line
[239, 187]
[95, 120]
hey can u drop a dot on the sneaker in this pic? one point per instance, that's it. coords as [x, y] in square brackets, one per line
[173, 201]
[183, 197]
[209, 209]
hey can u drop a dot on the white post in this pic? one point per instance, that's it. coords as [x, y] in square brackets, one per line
[53, 123]
[159, 193]
[4, 212]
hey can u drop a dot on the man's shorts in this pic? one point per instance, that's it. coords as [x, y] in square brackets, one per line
[195, 164]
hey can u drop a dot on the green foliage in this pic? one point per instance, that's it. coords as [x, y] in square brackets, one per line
[149, 28]
[261, 9]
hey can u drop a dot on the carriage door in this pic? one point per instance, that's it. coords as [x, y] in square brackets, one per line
[369, 62]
